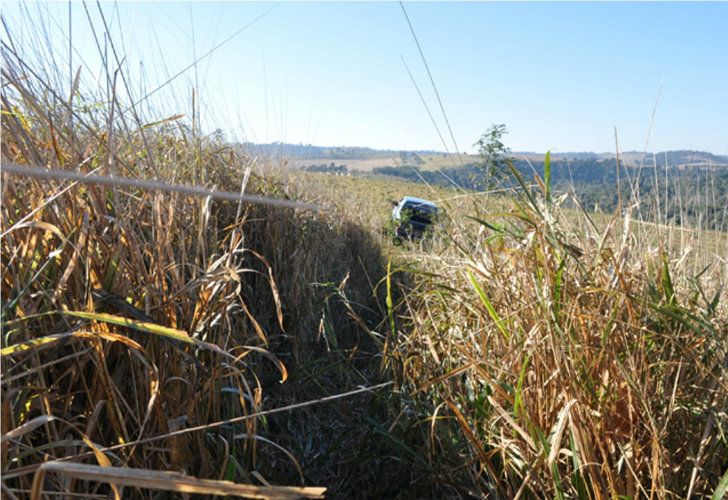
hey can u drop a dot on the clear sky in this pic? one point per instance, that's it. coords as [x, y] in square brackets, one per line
[561, 76]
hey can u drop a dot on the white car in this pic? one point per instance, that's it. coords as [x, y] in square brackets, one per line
[412, 216]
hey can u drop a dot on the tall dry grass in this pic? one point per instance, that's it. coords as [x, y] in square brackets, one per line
[551, 357]
[130, 315]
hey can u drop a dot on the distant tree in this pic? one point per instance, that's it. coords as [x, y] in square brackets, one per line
[494, 153]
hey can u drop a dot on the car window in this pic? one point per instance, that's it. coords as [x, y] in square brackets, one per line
[419, 207]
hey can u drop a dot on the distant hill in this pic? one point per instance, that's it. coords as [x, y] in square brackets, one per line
[439, 159]
[677, 158]
[308, 151]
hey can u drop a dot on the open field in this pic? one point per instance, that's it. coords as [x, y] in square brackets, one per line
[358, 165]
[431, 162]
[447, 160]
[369, 200]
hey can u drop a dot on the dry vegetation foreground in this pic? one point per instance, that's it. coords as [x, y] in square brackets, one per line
[529, 350]
[555, 353]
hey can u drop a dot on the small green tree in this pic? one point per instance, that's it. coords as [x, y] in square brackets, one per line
[494, 153]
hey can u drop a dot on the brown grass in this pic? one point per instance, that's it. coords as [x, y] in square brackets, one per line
[129, 314]
[569, 363]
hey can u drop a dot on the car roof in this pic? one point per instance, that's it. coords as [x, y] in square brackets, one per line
[418, 201]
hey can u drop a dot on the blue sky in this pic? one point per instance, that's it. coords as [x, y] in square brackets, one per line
[561, 76]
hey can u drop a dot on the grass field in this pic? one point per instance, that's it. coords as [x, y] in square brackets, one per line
[445, 160]
[154, 341]
[370, 199]
[620, 314]
[431, 162]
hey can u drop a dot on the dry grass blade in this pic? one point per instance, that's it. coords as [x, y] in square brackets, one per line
[558, 433]
[27, 427]
[170, 481]
[12, 168]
